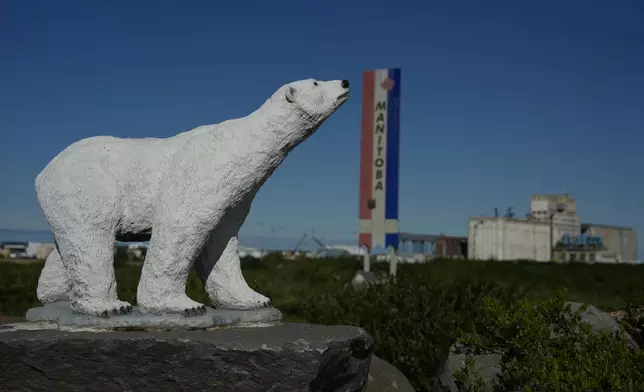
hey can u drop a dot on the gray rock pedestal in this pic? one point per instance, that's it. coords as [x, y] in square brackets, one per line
[287, 357]
[60, 313]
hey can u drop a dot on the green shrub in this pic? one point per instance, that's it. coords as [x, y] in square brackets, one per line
[545, 347]
[633, 322]
[413, 323]
[121, 256]
[18, 284]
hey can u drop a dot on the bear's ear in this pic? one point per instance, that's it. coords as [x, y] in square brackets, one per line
[290, 93]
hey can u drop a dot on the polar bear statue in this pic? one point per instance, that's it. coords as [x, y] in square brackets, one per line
[187, 194]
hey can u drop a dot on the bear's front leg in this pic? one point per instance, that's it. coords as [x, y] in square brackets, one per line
[173, 247]
[87, 254]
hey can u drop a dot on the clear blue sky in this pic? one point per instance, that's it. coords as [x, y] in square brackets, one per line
[499, 101]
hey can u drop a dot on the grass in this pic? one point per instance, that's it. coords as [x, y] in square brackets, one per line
[289, 282]
[284, 281]
[607, 286]
[414, 319]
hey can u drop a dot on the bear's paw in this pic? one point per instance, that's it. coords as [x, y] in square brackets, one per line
[102, 308]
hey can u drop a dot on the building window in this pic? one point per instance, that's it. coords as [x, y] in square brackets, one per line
[582, 257]
[591, 257]
[573, 257]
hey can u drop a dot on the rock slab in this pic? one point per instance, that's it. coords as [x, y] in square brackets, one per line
[384, 377]
[601, 321]
[287, 357]
[364, 277]
[61, 314]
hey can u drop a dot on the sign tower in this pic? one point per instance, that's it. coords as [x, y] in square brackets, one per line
[379, 159]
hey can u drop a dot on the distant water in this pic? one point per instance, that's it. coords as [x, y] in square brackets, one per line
[261, 242]
[7, 235]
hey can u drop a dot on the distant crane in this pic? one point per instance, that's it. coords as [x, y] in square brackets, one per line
[292, 253]
[320, 243]
[322, 250]
[299, 243]
[510, 214]
[327, 251]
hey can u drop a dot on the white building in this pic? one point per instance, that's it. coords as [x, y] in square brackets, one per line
[620, 242]
[501, 238]
[539, 236]
[39, 250]
[245, 251]
[561, 209]
[531, 238]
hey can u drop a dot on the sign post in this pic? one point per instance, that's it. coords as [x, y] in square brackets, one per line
[379, 159]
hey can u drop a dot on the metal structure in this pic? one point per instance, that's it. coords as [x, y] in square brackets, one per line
[299, 243]
[326, 251]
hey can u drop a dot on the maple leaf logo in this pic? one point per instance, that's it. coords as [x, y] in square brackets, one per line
[387, 84]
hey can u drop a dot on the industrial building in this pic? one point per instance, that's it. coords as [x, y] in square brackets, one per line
[620, 242]
[437, 246]
[552, 231]
[502, 238]
[14, 249]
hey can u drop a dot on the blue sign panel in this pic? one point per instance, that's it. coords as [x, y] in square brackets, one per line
[583, 240]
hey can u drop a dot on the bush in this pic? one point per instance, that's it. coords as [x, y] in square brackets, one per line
[18, 284]
[545, 347]
[121, 257]
[413, 323]
[633, 322]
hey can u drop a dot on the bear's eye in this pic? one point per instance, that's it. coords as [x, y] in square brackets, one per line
[315, 83]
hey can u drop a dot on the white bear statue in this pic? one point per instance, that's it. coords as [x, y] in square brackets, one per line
[188, 194]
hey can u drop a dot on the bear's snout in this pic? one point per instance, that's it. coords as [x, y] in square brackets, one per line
[345, 83]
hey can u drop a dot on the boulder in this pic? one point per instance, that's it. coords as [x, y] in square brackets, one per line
[600, 320]
[287, 357]
[384, 377]
[364, 277]
[489, 365]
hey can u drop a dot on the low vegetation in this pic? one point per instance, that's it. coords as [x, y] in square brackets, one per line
[416, 318]
[544, 346]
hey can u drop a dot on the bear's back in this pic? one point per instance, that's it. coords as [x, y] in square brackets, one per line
[107, 155]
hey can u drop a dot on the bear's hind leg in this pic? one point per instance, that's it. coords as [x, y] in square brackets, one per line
[88, 256]
[53, 284]
[226, 285]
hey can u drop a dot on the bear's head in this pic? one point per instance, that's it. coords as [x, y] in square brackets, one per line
[303, 105]
[316, 99]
